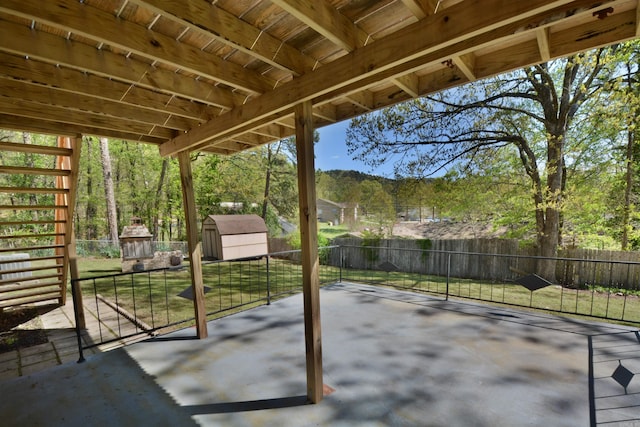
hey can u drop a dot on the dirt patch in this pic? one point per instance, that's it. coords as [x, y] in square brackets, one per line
[20, 328]
[446, 230]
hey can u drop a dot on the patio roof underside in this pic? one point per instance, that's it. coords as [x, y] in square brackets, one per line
[225, 76]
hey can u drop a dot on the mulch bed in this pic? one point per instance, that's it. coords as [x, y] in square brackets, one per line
[20, 328]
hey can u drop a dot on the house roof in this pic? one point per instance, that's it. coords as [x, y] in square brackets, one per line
[238, 224]
[225, 76]
[329, 202]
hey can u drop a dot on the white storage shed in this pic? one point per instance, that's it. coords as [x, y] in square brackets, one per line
[234, 236]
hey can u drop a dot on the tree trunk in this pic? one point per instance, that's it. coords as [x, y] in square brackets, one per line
[626, 209]
[156, 203]
[548, 239]
[29, 180]
[90, 213]
[630, 167]
[267, 185]
[112, 220]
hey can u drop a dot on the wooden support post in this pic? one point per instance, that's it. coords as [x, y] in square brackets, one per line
[70, 235]
[195, 247]
[75, 274]
[309, 243]
[69, 183]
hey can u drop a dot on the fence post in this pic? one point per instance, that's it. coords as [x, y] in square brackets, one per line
[268, 283]
[448, 275]
[341, 254]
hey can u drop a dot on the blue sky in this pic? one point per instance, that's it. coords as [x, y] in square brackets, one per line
[331, 152]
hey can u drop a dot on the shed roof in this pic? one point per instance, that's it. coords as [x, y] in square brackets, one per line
[225, 76]
[336, 204]
[238, 224]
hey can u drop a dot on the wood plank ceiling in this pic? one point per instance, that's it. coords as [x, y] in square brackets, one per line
[225, 76]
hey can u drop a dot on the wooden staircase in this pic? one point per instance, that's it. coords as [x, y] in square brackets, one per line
[36, 228]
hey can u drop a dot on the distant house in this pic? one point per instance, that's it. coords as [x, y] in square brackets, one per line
[336, 213]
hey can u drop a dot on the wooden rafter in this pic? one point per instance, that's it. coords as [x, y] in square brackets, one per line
[102, 65]
[440, 40]
[234, 32]
[421, 8]
[327, 21]
[210, 75]
[103, 27]
[542, 35]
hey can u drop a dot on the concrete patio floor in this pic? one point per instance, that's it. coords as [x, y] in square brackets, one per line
[391, 358]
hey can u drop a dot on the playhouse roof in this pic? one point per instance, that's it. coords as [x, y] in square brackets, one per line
[238, 224]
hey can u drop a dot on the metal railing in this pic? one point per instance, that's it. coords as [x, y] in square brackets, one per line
[595, 288]
[124, 307]
[129, 306]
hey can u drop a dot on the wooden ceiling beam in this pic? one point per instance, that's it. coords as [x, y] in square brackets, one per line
[421, 8]
[287, 122]
[463, 27]
[22, 41]
[326, 112]
[466, 64]
[638, 20]
[76, 82]
[49, 96]
[232, 146]
[363, 99]
[205, 18]
[281, 119]
[36, 110]
[598, 33]
[273, 131]
[409, 84]
[542, 36]
[254, 139]
[41, 125]
[326, 20]
[79, 18]
[332, 24]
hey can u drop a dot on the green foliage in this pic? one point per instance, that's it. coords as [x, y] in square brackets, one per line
[294, 241]
[110, 251]
[547, 126]
[371, 243]
[425, 245]
[323, 253]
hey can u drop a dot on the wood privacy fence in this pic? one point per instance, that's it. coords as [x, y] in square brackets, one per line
[497, 260]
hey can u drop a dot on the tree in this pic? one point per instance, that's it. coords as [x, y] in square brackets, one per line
[528, 112]
[157, 214]
[629, 98]
[110, 197]
[377, 204]
[279, 160]
[91, 227]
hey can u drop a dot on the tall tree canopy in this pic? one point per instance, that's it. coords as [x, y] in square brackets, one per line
[536, 114]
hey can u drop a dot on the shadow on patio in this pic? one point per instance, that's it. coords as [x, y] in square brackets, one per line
[390, 358]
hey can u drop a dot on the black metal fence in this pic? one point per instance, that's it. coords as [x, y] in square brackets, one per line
[126, 306]
[595, 288]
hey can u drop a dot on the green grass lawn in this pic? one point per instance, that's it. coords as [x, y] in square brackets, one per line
[233, 286]
[614, 305]
[331, 232]
[154, 297]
